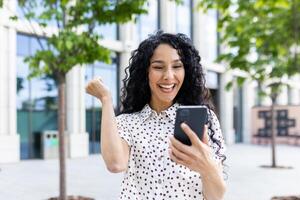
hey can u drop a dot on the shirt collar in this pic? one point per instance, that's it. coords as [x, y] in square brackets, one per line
[147, 111]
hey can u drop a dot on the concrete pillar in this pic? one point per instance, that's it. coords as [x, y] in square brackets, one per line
[248, 103]
[294, 91]
[75, 107]
[9, 139]
[127, 34]
[266, 100]
[197, 32]
[226, 109]
[167, 19]
[282, 98]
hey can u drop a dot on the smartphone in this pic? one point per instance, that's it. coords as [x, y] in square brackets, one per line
[195, 117]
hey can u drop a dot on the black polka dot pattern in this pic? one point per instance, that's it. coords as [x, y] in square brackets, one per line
[151, 174]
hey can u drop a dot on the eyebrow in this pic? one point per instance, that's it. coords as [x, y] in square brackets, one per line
[161, 62]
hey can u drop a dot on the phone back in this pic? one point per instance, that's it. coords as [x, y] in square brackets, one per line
[195, 117]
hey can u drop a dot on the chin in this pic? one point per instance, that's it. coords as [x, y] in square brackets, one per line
[168, 100]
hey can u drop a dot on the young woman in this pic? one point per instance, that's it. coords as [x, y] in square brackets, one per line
[164, 72]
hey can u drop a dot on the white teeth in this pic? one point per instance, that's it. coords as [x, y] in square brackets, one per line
[167, 86]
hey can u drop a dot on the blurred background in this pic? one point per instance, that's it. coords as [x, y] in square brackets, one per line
[243, 54]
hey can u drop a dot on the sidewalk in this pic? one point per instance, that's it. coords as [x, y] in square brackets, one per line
[38, 179]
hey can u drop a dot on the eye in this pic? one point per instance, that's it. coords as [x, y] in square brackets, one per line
[157, 67]
[177, 66]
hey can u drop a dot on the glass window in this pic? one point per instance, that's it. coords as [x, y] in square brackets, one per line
[36, 100]
[109, 74]
[184, 24]
[148, 23]
[38, 9]
[38, 91]
[108, 31]
[23, 42]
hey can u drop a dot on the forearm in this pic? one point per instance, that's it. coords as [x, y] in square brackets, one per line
[213, 184]
[114, 150]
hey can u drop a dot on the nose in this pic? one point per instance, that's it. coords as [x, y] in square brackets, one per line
[168, 74]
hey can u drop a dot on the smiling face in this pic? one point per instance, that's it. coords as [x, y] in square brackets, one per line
[166, 75]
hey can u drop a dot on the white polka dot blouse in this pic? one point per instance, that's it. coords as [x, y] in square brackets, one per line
[151, 174]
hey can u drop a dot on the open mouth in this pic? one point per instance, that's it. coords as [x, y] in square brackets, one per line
[166, 87]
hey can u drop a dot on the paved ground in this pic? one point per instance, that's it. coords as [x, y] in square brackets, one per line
[38, 180]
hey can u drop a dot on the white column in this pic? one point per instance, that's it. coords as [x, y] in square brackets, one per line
[75, 107]
[127, 35]
[265, 100]
[248, 103]
[294, 91]
[197, 32]
[226, 109]
[9, 139]
[167, 18]
[282, 98]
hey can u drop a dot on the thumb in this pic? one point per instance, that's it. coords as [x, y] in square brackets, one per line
[205, 138]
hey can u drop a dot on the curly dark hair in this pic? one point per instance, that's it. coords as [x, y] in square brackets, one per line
[136, 90]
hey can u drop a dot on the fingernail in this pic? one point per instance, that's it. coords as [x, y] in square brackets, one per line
[183, 125]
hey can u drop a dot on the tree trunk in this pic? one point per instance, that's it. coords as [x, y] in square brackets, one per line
[61, 136]
[273, 130]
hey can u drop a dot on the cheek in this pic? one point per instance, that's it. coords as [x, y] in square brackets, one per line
[181, 77]
[151, 81]
[153, 78]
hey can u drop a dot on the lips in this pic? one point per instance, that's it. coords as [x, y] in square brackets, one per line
[166, 87]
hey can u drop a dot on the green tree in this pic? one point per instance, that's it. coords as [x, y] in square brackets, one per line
[76, 43]
[262, 39]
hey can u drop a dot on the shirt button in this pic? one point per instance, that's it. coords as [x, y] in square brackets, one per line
[160, 138]
[159, 181]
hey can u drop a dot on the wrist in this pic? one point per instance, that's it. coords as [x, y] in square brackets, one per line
[106, 99]
[209, 169]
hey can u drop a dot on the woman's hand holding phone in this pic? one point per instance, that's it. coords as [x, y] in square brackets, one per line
[195, 116]
[197, 156]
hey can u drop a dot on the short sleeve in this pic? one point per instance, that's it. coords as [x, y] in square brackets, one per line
[217, 142]
[124, 128]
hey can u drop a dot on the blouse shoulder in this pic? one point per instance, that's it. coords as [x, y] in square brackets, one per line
[125, 124]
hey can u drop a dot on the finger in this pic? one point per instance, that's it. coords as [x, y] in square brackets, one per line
[205, 138]
[88, 88]
[180, 146]
[89, 84]
[190, 133]
[174, 158]
[93, 87]
[180, 155]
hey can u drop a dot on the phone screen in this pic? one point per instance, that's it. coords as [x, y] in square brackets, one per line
[195, 117]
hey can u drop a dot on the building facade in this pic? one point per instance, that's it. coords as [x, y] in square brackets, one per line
[28, 107]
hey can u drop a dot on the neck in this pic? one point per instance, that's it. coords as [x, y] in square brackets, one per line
[158, 107]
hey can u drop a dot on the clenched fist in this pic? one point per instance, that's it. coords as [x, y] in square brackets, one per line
[98, 89]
